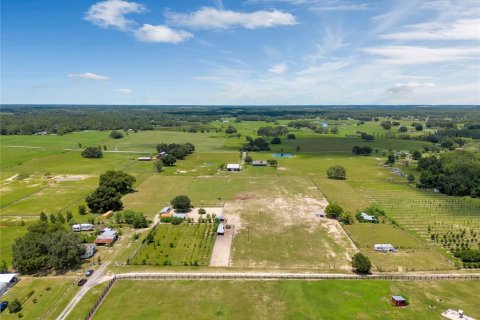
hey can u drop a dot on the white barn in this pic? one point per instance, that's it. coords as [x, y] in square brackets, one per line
[233, 167]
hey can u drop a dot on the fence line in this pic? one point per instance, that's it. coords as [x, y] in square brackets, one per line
[226, 276]
[100, 299]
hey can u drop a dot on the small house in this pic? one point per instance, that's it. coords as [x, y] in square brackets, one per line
[259, 163]
[144, 158]
[384, 247]
[76, 228]
[367, 217]
[399, 301]
[220, 230]
[233, 167]
[90, 249]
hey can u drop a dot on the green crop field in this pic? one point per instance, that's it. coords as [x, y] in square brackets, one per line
[186, 244]
[328, 299]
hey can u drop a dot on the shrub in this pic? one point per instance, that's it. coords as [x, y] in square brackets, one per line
[276, 140]
[361, 263]
[333, 211]
[201, 211]
[337, 172]
[248, 159]
[116, 134]
[14, 306]
[291, 136]
[92, 153]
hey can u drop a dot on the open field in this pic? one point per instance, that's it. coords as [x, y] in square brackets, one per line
[270, 206]
[181, 245]
[48, 296]
[291, 299]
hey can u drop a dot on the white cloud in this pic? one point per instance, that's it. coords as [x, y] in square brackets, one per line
[278, 68]
[124, 90]
[111, 13]
[88, 76]
[212, 18]
[464, 29]
[410, 87]
[422, 55]
[150, 33]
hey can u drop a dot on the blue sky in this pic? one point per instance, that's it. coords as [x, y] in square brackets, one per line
[240, 52]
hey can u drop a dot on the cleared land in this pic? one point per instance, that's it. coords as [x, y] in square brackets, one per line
[328, 299]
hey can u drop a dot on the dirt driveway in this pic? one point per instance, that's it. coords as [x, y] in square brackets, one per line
[221, 249]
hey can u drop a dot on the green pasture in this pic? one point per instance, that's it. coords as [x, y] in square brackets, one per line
[50, 296]
[186, 244]
[9, 231]
[291, 299]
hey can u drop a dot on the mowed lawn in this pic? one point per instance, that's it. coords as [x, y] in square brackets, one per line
[49, 298]
[329, 299]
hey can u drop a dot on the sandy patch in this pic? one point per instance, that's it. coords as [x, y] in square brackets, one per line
[217, 211]
[245, 196]
[72, 177]
[180, 171]
[281, 168]
[12, 178]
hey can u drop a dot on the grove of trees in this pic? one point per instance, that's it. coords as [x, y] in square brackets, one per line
[45, 247]
[116, 134]
[112, 185]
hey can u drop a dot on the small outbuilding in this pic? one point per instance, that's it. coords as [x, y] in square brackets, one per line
[7, 280]
[144, 158]
[399, 301]
[259, 163]
[108, 236]
[384, 247]
[233, 167]
[220, 230]
[367, 217]
[165, 210]
[90, 249]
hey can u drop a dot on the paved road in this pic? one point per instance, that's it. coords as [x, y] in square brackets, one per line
[94, 279]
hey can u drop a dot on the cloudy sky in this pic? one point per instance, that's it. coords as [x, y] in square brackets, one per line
[240, 52]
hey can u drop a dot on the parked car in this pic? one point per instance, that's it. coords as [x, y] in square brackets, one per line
[89, 272]
[3, 305]
[82, 282]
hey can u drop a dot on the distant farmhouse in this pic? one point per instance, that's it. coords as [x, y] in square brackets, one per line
[82, 227]
[259, 163]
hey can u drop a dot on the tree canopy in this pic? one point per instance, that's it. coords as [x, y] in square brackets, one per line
[361, 263]
[116, 134]
[121, 181]
[45, 247]
[181, 203]
[92, 153]
[104, 199]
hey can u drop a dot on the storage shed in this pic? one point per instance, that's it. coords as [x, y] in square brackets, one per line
[259, 163]
[384, 247]
[90, 249]
[233, 167]
[399, 301]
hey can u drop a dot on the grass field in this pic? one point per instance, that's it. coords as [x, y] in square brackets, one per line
[327, 299]
[49, 296]
[180, 245]
[419, 213]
